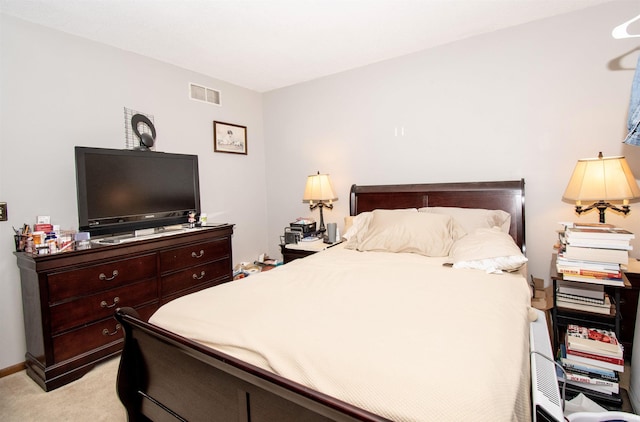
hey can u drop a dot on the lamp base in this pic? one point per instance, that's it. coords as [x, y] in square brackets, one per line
[321, 229]
[602, 206]
[321, 205]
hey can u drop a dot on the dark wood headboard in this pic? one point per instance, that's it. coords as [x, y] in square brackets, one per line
[504, 195]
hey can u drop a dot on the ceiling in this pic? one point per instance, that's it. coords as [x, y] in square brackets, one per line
[268, 44]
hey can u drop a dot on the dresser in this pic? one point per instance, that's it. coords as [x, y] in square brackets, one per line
[69, 299]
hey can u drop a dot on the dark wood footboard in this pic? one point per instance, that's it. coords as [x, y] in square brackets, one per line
[165, 377]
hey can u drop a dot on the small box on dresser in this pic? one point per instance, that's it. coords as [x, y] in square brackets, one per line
[69, 299]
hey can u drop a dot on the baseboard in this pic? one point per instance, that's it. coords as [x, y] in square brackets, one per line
[12, 369]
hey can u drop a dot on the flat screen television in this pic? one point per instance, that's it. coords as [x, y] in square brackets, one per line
[122, 191]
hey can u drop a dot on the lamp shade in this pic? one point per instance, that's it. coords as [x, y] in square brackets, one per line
[319, 188]
[602, 179]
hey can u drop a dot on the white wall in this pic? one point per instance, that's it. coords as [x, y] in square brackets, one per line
[58, 91]
[525, 102]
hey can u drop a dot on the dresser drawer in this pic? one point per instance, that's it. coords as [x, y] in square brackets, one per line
[101, 305]
[201, 274]
[79, 282]
[93, 336]
[188, 256]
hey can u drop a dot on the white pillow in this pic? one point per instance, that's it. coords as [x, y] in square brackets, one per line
[471, 219]
[490, 250]
[353, 226]
[408, 231]
[356, 226]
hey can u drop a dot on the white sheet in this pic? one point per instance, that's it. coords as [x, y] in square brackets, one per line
[397, 334]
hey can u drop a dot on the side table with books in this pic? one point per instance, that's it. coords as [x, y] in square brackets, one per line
[595, 305]
[589, 280]
[589, 290]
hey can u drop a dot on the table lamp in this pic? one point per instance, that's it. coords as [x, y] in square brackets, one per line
[320, 194]
[601, 180]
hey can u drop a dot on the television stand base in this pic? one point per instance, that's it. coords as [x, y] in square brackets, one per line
[143, 232]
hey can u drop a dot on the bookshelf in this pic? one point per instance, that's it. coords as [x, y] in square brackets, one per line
[612, 321]
[621, 320]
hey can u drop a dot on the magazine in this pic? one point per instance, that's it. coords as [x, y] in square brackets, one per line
[594, 340]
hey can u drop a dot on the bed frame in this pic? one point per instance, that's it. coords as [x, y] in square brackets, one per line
[165, 377]
[507, 196]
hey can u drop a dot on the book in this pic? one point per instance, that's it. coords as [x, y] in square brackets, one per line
[615, 364]
[595, 280]
[601, 226]
[580, 347]
[594, 384]
[613, 256]
[577, 369]
[603, 244]
[593, 340]
[612, 400]
[588, 273]
[598, 233]
[585, 368]
[563, 262]
[604, 389]
[585, 307]
[565, 297]
[588, 379]
[595, 291]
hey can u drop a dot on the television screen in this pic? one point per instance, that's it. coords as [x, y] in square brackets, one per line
[127, 190]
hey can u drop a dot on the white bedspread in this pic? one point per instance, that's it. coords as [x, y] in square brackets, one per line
[397, 334]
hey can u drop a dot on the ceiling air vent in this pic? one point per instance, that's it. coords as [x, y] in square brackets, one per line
[204, 94]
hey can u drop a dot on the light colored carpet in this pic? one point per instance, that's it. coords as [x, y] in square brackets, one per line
[91, 398]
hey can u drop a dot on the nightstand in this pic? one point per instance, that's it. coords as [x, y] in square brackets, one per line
[613, 321]
[293, 251]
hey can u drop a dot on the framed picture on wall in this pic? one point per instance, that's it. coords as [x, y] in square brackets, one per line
[230, 138]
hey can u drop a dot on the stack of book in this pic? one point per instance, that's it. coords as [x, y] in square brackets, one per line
[594, 254]
[592, 360]
[589, 297]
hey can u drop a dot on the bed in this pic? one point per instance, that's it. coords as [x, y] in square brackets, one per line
[367, 330]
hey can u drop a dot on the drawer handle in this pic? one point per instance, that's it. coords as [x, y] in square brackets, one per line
[106, 332]
[104, 303]
[114, 274]
[194, 255]
[195, 276]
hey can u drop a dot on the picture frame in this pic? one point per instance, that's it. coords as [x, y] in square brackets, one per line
[229, 138]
